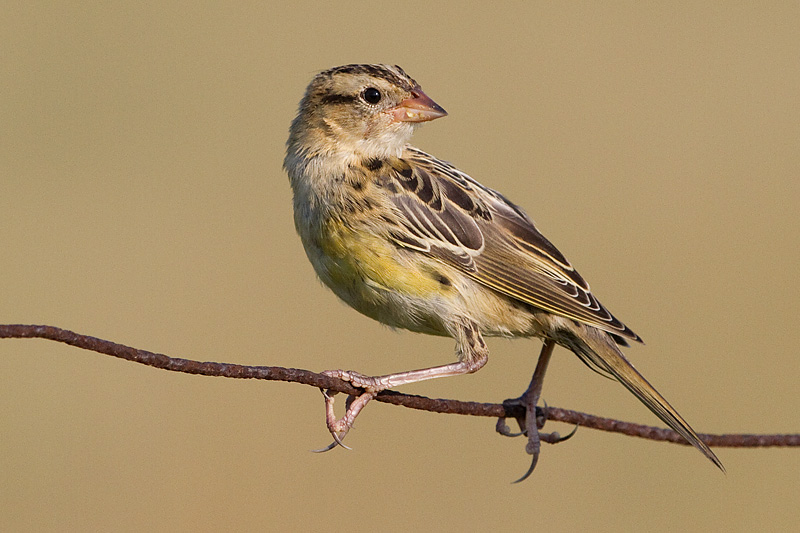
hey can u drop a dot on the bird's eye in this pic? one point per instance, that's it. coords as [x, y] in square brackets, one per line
[372, 95]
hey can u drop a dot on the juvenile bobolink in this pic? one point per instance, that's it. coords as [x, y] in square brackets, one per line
[413, 242]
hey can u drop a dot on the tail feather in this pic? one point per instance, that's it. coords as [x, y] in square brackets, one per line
[601, 353]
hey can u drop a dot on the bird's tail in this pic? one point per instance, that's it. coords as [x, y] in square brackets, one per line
[600, 352]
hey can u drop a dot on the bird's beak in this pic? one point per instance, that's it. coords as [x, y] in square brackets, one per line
[418, 108]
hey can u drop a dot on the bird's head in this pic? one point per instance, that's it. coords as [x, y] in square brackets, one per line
[370, 110]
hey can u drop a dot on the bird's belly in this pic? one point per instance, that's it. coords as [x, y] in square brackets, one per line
[409, 290]
[375, 278]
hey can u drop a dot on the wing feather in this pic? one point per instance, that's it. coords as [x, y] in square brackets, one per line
[452, 217]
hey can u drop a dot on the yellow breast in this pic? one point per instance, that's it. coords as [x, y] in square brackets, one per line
[365, 262]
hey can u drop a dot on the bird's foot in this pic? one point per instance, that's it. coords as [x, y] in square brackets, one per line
[514, 404]
[338, 428]
[530, 423]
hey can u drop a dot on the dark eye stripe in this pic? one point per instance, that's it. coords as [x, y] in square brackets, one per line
[334, 98]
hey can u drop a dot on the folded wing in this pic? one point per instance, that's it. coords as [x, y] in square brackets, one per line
[447, 214]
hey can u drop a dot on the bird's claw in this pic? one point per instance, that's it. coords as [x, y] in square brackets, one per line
[533, 447]
[537, 415]
[331, 446]
[555, 437]
[339, 428]
[527, 474]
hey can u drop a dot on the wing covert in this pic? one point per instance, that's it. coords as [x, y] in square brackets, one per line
[450, 216]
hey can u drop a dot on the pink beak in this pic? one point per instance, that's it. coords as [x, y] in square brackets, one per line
[418, 108]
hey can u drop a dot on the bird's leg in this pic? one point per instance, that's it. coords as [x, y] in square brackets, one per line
[529, 398]
[531, 423]
[472, 355]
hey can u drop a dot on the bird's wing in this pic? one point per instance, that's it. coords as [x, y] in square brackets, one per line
[450, 216]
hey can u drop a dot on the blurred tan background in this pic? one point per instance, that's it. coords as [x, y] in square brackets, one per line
[143, 202]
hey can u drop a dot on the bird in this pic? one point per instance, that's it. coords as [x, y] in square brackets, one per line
[415, 243]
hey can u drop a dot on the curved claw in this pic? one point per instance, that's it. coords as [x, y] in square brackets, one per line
[333, 425]
[337, 440]
[571, 433]
[550, 438]
[527, 474]
[339, 428]
[331, 446]
[555, 438]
